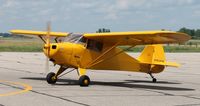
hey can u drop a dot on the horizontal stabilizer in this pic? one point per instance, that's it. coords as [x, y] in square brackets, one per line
[172, 64]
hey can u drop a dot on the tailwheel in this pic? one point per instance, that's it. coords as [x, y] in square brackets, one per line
[84, 80]
[154, 80]
[51, 78]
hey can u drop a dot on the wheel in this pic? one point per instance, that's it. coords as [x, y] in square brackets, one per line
[84, 80]
[154, 80]
[51, 78]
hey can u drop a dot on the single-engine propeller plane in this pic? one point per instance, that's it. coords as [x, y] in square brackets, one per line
[99, 51]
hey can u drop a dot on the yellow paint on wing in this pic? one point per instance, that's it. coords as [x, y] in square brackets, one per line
[25, 89]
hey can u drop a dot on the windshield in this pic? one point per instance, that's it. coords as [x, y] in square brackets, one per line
[73, 38]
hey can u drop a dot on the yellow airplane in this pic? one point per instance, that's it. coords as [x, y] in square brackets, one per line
[99, 51]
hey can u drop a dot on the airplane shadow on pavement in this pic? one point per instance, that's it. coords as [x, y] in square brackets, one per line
[126, 83]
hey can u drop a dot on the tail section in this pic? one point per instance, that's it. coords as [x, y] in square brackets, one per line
[153, 56]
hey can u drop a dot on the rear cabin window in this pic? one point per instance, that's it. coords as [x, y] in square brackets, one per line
[94, 45]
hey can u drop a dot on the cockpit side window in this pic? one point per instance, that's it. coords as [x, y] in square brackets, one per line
[83, 40]
[73, 38]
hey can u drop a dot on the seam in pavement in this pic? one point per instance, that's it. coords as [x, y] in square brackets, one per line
[20, 70]
[189, 105]
[169, 94]
[68, 100]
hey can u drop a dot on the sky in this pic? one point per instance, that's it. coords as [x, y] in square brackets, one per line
[90, 15]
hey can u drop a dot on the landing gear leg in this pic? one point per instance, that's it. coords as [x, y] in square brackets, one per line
[153, 78]
[52, 77]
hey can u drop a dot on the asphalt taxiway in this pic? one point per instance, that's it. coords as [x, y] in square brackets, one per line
[22, 83]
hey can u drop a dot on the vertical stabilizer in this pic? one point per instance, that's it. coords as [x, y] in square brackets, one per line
[153, 54]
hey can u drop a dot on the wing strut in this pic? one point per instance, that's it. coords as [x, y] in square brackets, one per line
[95, 63]
[42, 38]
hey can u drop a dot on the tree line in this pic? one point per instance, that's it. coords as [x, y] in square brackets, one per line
[11, 35]
[194, 33]
[5, 34]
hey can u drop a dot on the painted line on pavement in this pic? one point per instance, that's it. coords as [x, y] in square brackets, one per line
[25, 88]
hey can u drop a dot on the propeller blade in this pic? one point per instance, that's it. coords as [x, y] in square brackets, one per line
[48, 37]
[47, 46]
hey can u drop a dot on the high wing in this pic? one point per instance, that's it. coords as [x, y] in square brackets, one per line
[39, 33]
[139, 38]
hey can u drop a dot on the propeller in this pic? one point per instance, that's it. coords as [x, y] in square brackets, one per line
[47, 47]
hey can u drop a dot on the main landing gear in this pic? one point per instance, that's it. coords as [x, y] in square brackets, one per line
[51, 79]
[153, 78]
[84, 80]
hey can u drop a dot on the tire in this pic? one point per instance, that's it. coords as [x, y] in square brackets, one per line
[84, 81]
[50, 78]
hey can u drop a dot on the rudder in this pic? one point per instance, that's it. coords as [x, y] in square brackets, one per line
[153, 54]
